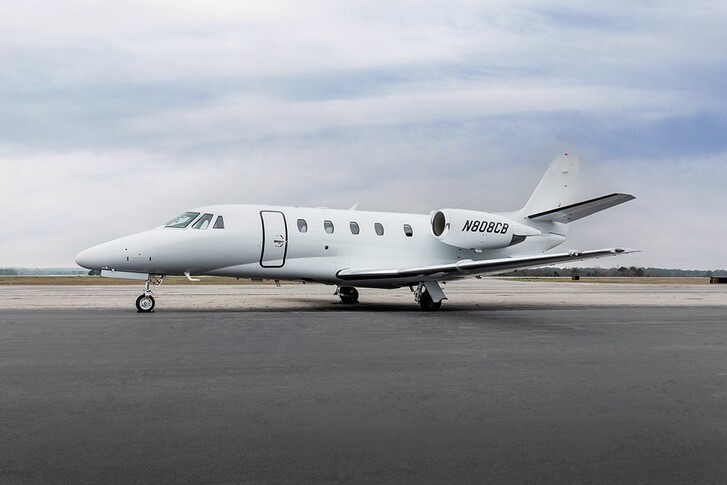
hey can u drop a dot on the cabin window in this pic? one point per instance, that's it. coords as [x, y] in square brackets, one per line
[354, 227]
[219, 223]
[379, 229]
[203, 222]
[328, 226]
[183, 220]
[408, 230]
[302, 225]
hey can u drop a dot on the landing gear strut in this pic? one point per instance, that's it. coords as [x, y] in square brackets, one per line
[347, 294]
[426, 294]
[145, 303]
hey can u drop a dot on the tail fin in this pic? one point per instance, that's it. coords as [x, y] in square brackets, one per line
[553, 199]
[553, 190]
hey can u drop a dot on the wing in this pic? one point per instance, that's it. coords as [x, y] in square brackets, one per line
[470, 267]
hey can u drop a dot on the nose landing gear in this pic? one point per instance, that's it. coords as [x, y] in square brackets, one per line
[145, 302]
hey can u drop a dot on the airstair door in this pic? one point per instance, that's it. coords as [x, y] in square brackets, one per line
[275, 239]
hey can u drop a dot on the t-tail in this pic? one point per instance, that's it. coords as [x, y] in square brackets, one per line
[553, 204]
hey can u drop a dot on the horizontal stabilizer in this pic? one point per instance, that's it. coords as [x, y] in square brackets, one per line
[576, 211]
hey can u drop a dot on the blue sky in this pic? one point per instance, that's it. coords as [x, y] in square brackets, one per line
[115, 117]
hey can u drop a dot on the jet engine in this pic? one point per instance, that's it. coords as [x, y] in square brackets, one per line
[468, 229]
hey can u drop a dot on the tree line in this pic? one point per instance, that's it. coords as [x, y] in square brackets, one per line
[619, 271]
[42, 271]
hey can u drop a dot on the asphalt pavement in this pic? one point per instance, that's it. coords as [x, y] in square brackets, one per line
[540, 394]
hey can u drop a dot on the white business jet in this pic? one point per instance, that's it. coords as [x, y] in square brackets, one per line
[350, 248]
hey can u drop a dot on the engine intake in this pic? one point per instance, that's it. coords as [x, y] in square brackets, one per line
[468, 229]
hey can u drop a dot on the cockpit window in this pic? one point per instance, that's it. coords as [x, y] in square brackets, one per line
[203, 222]
[182, 220]
[219, 223]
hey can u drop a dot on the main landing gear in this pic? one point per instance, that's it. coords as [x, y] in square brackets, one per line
[347, 294]
[429, 295]
[145, 303]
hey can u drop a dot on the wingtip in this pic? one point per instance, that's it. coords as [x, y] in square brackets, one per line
[625, 250]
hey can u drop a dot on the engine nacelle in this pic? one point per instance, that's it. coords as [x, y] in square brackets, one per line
[468, 229]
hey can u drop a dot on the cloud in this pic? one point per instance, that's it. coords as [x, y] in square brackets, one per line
[120, 116]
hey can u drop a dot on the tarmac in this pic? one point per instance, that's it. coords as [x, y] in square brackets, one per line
[509, 382]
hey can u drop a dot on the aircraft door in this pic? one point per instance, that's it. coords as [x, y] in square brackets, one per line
[275, 239]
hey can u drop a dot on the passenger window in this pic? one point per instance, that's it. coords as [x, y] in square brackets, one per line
[219, 223]
[203, 222]
[354, 227]
[379, 229]
[328, 226]
[302, 225]
[183, 220]
[408, 230]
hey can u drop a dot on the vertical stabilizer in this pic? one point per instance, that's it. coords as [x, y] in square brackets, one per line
[557, 186]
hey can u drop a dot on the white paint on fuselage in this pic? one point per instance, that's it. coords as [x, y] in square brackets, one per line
[314, 255]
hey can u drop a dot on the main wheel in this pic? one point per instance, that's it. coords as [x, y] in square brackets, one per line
[348, 294]
[427, 304]
[145, 303]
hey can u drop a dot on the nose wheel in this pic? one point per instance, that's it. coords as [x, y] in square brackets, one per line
[145, 303]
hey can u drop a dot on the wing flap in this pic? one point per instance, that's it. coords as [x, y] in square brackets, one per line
[579, 210]
[470, 267]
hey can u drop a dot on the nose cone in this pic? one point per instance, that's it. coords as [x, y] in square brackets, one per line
[89, 258]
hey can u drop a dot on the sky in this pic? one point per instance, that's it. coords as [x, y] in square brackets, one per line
[117, 116]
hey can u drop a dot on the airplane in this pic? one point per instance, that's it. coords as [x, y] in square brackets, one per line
[356, 249]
